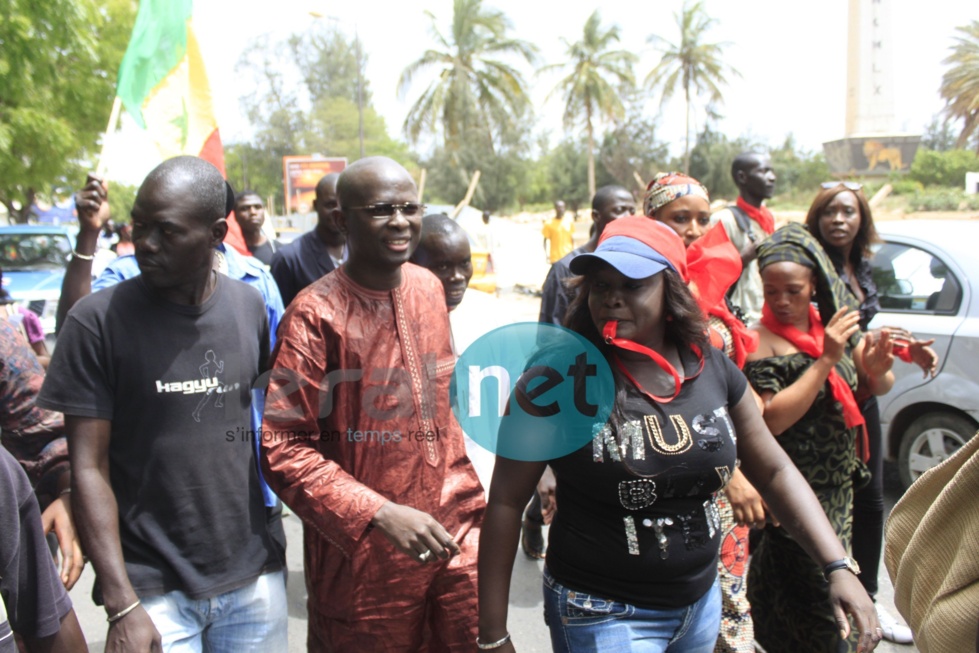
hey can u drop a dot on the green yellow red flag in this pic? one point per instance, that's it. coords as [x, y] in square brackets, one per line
[163, 86]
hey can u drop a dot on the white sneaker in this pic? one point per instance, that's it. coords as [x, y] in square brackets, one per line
[894, 630]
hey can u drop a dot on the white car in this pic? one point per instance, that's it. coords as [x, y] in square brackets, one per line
[923, 271]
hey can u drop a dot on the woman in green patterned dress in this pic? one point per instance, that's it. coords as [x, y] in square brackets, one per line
[810, 361]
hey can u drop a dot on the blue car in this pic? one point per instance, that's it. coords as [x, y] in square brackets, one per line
[33, 259]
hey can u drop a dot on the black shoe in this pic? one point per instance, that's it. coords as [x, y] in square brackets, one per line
[532, 539]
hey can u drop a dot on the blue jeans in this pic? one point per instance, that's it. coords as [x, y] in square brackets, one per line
[582, 622]
[250, 619]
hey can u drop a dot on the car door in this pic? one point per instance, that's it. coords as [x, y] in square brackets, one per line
[923, 290]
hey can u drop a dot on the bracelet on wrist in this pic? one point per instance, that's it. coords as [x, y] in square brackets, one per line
[489, 646]
[85, 257]
[67, 490]
[122, 613]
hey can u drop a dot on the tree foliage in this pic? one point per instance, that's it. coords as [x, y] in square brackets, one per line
[121, 200]
[567, 167]
[504, 170]
[599, 76]
[960, 83]
[255, 168]
[328, 63]
[303, 99]
[475, 92]
[58, 66]
[710, 162]
[799, 172]
[939, 135]
[449, 174]
[691, 65]
[632, 148]
[932, 168]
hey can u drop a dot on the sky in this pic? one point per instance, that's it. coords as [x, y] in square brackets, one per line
[791, 56]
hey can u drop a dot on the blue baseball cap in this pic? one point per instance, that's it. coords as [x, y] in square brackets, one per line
[637, 246]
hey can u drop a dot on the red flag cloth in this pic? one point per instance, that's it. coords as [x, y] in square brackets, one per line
[713, 266]
[811, 344]
[234, 237]
[759, 214]
[213, 153]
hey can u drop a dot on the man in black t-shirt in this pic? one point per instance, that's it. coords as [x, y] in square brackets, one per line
[33, 602]
[154, 377]
[250, 214]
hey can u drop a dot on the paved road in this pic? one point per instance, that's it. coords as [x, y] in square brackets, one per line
[526, 621]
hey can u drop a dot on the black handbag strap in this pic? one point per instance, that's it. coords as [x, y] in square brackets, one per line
[743, 221]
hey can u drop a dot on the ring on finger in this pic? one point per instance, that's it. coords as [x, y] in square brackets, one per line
[424, 557]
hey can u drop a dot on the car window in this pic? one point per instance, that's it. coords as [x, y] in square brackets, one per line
[911, 279]
[33, 251]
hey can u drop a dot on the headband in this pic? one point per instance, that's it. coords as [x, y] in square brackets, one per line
[669, 186]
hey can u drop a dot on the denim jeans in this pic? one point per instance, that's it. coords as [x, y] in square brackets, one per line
[582, 622]
[250, 619]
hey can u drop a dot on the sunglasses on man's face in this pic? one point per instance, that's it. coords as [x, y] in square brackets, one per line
[387, 209]
[849, 185]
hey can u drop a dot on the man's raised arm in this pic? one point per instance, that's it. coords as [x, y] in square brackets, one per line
[93, 210]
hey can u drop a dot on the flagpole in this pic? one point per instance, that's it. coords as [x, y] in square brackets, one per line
[109, 130]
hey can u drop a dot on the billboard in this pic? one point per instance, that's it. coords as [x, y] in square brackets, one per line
[871, 155]
[300, 174]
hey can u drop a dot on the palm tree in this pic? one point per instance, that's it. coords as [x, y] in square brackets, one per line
[960, 84]
[590, 91]
[691, 64]
[473, 89]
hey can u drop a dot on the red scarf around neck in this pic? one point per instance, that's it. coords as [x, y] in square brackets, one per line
[811, 344]
[759, 214]
[609, 333]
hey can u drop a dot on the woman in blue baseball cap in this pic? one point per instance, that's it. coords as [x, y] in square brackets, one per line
[632, 557]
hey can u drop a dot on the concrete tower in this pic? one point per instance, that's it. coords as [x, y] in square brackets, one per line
[869, 80]
[871, 146]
